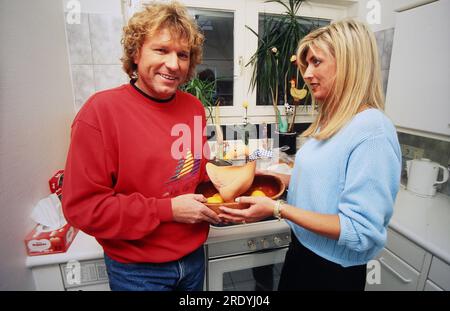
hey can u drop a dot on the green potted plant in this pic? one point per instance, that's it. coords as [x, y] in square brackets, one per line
[204, 90]
[275, 73]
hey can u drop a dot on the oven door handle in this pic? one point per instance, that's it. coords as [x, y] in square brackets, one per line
[268, 250]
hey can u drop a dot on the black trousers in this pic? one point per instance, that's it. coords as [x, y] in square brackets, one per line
[305, 270]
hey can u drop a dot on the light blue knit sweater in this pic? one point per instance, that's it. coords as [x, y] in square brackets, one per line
[356, 175]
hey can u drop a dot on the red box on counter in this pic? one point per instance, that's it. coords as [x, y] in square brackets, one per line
[42, 241]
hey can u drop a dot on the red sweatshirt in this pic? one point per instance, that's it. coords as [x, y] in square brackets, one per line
[121, 174]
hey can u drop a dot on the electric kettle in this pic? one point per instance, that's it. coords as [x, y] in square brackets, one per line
[422, 176]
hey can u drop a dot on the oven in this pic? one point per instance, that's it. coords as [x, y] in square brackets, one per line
[246, 257]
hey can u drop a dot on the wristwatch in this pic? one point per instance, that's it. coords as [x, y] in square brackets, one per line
[277, 209]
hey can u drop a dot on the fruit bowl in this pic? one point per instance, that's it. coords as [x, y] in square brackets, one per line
[271, 185]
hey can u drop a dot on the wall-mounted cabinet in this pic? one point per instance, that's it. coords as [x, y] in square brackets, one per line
[418, 93]
[402, 5]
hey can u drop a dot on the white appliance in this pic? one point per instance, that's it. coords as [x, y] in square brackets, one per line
[246, 257]
[423, 176]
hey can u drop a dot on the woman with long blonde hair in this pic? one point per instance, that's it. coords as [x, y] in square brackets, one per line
[346, 175]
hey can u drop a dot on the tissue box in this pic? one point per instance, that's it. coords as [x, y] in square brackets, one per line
[41, 241]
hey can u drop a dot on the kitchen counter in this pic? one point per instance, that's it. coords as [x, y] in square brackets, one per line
[425, 221]
[85, 247]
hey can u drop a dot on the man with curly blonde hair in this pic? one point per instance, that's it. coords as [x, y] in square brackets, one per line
[127, 181]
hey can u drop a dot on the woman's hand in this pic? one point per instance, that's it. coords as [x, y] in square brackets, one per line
[260, 208]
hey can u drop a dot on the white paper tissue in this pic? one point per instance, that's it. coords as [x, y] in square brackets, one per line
[280, 168]
[48, 212]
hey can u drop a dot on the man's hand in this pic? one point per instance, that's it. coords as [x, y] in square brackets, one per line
[188, 208]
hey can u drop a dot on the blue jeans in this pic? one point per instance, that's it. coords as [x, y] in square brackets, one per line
[185, 274]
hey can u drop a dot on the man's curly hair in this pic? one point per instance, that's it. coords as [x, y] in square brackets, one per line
[154, 17]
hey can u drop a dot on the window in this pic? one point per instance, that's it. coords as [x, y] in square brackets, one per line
[271, 25]
[218, 51]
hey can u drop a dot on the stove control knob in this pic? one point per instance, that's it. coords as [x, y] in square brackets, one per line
[277, 241]
[265, 243]
[251, 245]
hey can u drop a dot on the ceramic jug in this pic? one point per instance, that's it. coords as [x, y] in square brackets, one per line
[422, 176]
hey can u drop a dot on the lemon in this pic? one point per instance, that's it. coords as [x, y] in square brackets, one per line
[258, 193]
[215, 199]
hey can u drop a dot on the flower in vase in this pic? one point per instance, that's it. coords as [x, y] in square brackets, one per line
[246, 129]
[245, 105]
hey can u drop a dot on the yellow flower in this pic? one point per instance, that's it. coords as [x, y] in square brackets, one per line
[293, 58]
[245, 104]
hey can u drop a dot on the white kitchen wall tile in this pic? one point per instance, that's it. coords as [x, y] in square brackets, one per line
[105, 34]
[80, 51]
[434, 149]
[387, 48]
[109, 76]
[83, 83]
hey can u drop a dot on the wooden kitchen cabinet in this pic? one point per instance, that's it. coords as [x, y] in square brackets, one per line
[418, 95]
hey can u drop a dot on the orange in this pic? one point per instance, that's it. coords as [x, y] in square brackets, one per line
[258, 193]
[216, 198]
